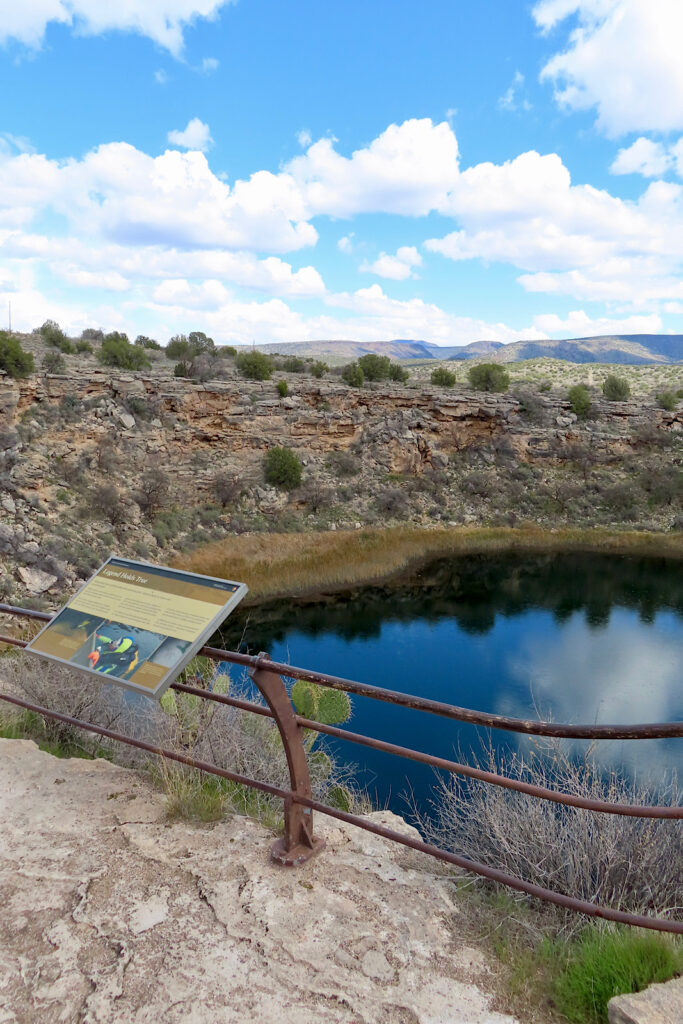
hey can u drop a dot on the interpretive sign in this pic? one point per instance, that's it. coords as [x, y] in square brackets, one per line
[137, 624]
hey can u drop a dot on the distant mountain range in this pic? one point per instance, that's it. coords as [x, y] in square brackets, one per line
[633, 349]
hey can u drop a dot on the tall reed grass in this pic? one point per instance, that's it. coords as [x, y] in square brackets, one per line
[278, 565]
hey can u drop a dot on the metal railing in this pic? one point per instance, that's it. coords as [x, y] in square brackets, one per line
[299, 843]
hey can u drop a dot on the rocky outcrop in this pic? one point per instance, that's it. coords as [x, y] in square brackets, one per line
[658, 1004]
[112, 915]
[419, 453]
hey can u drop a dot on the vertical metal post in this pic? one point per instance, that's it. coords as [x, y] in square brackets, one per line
[298, 843]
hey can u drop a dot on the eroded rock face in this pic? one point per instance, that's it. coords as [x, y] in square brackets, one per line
[111, 915]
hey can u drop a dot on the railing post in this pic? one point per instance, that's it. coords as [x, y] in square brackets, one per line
[298, 843]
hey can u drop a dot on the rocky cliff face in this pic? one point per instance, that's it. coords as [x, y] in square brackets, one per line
[97, 459]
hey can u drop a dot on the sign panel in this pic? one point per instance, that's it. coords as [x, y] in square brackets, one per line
[137, 624]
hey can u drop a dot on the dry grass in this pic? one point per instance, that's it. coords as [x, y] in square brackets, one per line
[276, 565]
[630, 864]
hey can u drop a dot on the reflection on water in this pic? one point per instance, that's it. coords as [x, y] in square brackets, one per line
[574, 637]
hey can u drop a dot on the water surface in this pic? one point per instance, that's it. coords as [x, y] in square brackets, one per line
[577, 638]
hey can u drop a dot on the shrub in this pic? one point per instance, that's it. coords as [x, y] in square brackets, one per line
[318, 368]
[13, 359]
[353, 375]
[316, 495]
[53, 362]
[83, 345]
[282, 388]
[92, 334]
[226, 351]
[442, 377]
[631, 864]
[616, 389]
[293, 364]
[392, 502]
[116, 350]
[142, 341]
[178, 347]
[226, 488]
[105, 502]
[154, 490]
[579, 399]
[531, 406]
[52, 333]
[282, 468]
[667, 400]
[488, 377]
[398, 373]
[344, 464]
[254, 365]
[375, 367]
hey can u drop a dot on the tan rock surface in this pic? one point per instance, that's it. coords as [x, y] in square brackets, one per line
[110, 914]
[658, 1004]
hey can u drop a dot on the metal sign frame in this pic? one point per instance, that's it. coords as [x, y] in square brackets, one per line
[233, 592]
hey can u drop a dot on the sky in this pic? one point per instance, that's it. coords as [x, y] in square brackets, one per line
[290, 170]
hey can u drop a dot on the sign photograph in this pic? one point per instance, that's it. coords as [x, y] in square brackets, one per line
[137, 624]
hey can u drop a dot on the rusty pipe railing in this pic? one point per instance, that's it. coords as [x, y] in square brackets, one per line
[298, 842]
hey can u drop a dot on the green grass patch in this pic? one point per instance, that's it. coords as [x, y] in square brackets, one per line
[587, 973]
[29, 726]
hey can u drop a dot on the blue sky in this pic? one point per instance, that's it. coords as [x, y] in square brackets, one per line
[281, 171]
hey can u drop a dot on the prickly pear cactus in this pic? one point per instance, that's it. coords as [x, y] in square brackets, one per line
[334, 706]
[305, 698]
[321, 703]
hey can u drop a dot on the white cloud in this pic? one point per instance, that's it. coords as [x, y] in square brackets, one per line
[304, 138]
[160, 77]
[408, 170]
[575, 239]
[345, 243]
[209, 65]
[513, 97]
[163, 21]
[398, 267]
[651, 159]
[195, 135]
[579, 325]
[623, 57]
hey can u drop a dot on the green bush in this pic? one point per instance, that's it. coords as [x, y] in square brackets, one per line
[318, 368]
[601, 965]
[53, 362]
[488, 377]
[52, 334]
[83, 345]
[226, 351]
[281, 468]
[13, 359]
[375, 367]
[353, 375]
[616, 389]
[580, 399]
[142, 341]
[398, 373]
[178, 347]
[282, 388]
[442, 377]
[293, 364]
[667, 400]
[116, 350]
[254, 365]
